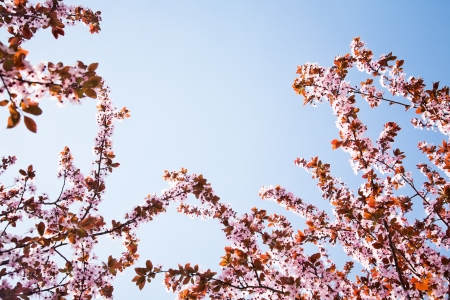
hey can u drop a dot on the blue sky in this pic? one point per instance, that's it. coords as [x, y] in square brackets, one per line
[208, 84]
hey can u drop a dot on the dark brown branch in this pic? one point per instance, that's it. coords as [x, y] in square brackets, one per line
[399, 271]
[417, 192]
[384, 99]
[98, 172]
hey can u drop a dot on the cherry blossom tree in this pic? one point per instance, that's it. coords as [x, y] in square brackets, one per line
[24, 84]
[400, 259]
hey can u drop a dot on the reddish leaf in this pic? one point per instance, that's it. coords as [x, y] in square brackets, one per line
[13, 121]
[140, 282]
[41, 228]
[90, 93]
[56, 31]
[31, 125]
[88, 223]
[33, 109]
[149, 265]
[377, 245]
[140, 271]
[422, 286]
[92, 67]
[81, 232]
[335, 144]
[8, 65]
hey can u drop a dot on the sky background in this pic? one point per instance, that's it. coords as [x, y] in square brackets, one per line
[208, 84]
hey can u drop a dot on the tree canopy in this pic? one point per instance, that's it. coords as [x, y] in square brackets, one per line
[401, 258]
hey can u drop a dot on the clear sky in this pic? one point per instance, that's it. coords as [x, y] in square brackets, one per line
[208, 84]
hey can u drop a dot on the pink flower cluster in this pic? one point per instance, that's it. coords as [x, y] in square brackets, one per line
[24, 85]
[372, 226]
[30, 259]
[23, 19]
